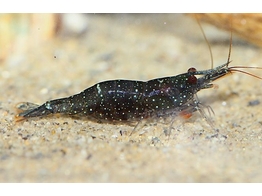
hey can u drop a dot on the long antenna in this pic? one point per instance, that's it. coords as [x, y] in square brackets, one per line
[209, 47]
[230, 46]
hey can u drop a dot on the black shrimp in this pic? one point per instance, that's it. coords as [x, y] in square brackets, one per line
[127, 100]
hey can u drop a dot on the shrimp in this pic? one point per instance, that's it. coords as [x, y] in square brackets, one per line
[130, 100]
[127, 100]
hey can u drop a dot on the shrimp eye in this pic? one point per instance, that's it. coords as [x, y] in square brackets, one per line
[192, 79]
[190, 70]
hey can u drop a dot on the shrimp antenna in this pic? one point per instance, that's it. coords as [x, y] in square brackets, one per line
[236, 69]
[209, 47]
[230, 45]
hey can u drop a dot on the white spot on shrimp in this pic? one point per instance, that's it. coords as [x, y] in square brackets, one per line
[48, 106]
[98, 89]
[160, 81]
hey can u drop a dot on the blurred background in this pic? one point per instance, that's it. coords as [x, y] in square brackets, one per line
[19, 30]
